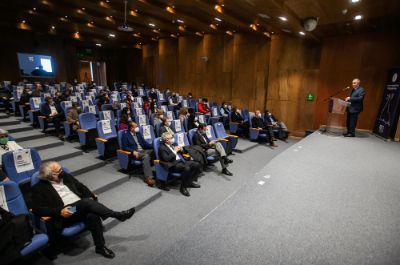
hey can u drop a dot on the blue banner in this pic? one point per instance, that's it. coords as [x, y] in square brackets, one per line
[388, 115]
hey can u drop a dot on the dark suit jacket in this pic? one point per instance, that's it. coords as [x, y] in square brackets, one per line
[163, 129]
[257, 122]
[356, 100]
[46, 110]
[167, 157]
[47, 202]
[197, 139]
[268, 120]
[236, 117]
[129, 144]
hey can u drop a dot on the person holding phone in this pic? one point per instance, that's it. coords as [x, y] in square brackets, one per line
[212, 147]
[67, 201]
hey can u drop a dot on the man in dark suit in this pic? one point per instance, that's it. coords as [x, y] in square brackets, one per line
[258, 123]
[356, 99]
[133, 142]
[237, 117]
[66, 201]
[171, 158]
[274, 123]
[53, 113]
[211, 147]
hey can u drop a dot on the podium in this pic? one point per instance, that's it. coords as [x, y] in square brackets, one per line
[335, 123]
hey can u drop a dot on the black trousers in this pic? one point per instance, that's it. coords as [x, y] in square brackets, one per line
[268, 131]
[91, 213]
[189, 171]
[352, 122]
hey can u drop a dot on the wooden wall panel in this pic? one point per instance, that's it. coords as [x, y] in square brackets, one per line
[368, 57]
[293, 73]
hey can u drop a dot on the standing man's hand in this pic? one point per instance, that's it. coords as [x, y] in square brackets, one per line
[347, 99]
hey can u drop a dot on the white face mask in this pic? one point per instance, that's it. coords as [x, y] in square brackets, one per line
[168, 123]
[137, 129]
[173, 140]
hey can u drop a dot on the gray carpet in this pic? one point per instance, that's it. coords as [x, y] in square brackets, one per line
[325, 200]
[171, 218]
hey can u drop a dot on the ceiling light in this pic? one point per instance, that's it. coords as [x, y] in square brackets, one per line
[358, 17]
[180, 21]
[98, 44]
[111, 35]
[253, 26]
[286, 30]
[156, 31]
[199, 34]
[266, 33]
[83, 9]
[265, 16]
[283, 18]
[218, 19]
[229, 32]
[152, 25]
[66, 16]
[181, 28]
[137, 35]
[34, 9]
[52, 27]
[213, 26]
[302, 33]
[23, 21]
[76, 35]
[173, 36]
[134, 13]
[218, 8]
[170, 9]
[355, 1]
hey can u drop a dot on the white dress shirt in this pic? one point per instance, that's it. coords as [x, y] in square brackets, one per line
[67, 196]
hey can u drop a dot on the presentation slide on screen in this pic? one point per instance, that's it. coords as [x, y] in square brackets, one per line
[35, 65]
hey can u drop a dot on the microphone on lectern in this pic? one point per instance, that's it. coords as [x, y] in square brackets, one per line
[346, 88]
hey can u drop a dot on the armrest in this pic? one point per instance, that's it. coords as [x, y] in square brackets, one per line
[42, 117]
[101, 140]
[124, 152]
[43, 218]
[156, 161]
[231, 122]
[255, 129]
[82, 130]
[186, 155]
[233, 136]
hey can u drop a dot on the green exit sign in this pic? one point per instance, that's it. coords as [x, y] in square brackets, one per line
[310, 97]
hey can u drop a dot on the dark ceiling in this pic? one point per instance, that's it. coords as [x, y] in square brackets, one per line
[95, 20]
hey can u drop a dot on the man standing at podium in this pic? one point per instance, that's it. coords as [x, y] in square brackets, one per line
[356, 106]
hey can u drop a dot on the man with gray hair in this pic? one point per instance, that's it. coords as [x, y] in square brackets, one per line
[355, 99]
[171, 158]
[67, 201]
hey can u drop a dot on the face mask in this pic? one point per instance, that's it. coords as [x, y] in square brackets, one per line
[173, 140]
[269, 114]
[259, 115]
[137, 129]
[225, 106]
[3, 141]
[168, 124]
[204, 132]
[29, 92]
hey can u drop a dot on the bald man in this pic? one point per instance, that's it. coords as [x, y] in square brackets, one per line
[355, 99]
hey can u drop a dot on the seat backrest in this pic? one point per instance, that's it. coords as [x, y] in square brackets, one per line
[85, 103]
[177, 126]
[191, 133]
[106, 129]
[157, 127]
[107, 107]
[87, 121]
[91, 109]
[147, 131]
[181, 139]
[120, 133]
[65, 105]
[19, 165]
[107, 115]
[15, 201]
[219, 130]
[156, 146]
[35, 102]
[141, 120]
[164, 108]
[210, 133]
[245, 114]
[138, 111]
[169, 114]
[251, 115]
[215, 111]
[202, 118]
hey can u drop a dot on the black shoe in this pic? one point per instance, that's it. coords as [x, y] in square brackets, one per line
[125, 215]
[105, 252]
[349, 135]
[163, 187]
[194, 185]
[225, 171]
[227, 161]
[185, 192]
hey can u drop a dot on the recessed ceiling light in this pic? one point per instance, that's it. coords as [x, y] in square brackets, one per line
[170, 9]
[23, 21]
[53, 27]
[34, 9]
[302, 33]
[283, 18]
[213, 26]
[111, 35]
[98, 44]
[229, 32]
[266, 33]
[218, 19]
[152, 25]
[66, 16]
[180, 21]
[355, 1]
[358, 17]
[264, 16]
[218, 8]
[286, 30]
[253, 26]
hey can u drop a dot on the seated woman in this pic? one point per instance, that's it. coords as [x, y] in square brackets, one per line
[183, 114]
[6, 145]
[73, 117]
[125, 119]
[166, 127]
[159, 116]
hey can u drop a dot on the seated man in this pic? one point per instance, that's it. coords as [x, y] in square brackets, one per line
[73, 117]
[166, 126]
[132, 141]
[258, 123]
[171, 158]
[283, 132]
[53, 113]
[67, 201]
[211, 147]
[174, 101]
[237, 117]
[203, 108]
[6, 145]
